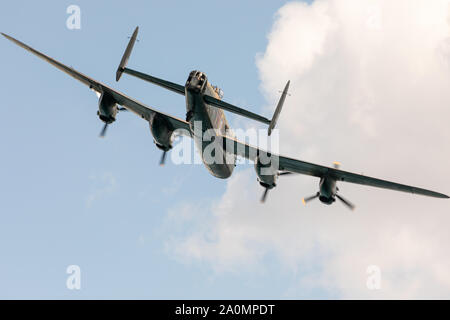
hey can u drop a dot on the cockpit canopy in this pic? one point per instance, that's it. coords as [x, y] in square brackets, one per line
[218, 91]
[196, 81]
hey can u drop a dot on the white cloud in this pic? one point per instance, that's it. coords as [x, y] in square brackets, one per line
[369, 84]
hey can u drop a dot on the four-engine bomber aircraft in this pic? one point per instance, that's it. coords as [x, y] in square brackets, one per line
[204, 106]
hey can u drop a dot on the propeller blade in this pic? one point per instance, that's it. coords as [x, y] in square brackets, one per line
[349, 205]
[103, 132]
[336, 164]
[163, 158]
[305, 200]
[264, 196]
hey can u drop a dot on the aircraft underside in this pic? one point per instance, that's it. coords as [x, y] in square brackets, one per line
[201, 118]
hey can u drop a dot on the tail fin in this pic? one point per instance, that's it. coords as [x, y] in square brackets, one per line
[126, 54]
[277, 112]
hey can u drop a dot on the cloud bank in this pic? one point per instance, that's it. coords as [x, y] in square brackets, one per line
[370, 88]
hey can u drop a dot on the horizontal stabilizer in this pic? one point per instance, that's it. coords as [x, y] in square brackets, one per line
[229, 107]
[126, 55]
[178, 88]
[248, 114]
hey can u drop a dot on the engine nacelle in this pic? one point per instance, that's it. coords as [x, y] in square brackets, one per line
[328, 190]
[107, 108]
[267, 176]
[162, 132]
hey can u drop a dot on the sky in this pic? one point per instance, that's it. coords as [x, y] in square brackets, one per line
[369, 88]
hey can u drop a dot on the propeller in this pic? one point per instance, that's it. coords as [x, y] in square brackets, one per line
[264, 196]
[266, 191]
[347, 203]
[305, 200]
[336, 165]
[163, 158]
[103, 132]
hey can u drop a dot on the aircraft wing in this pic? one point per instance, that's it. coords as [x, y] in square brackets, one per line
[311, 169]
[131, 104]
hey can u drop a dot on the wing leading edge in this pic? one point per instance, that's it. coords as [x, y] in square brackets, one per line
[311, 169]
[133, 105]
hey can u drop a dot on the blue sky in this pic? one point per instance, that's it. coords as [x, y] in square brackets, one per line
[69, 197]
